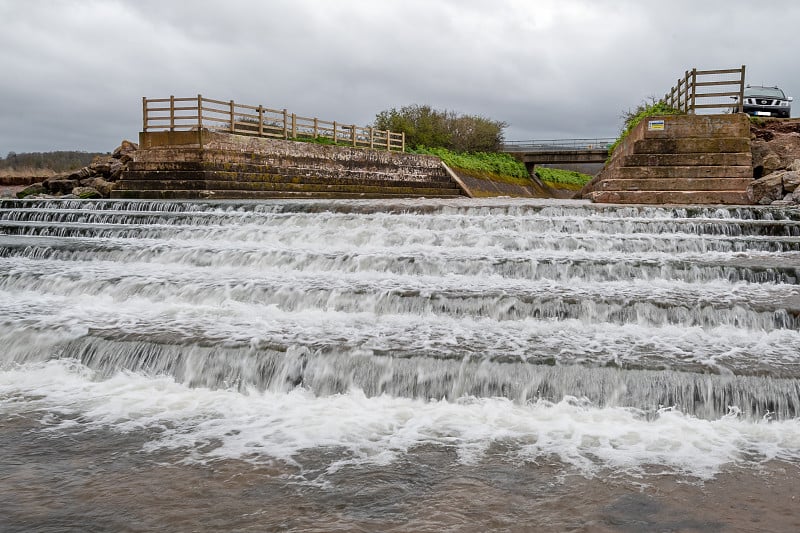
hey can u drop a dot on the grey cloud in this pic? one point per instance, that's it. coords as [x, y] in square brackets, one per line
[74, 71]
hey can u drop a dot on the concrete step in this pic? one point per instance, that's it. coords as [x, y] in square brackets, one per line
[679, 184]
[286, 175]
[674, 172]
[330, 179]
[730, 159]
[155, 194]
[671, 197]
[698, 126]
[410, 189]
[692, 145]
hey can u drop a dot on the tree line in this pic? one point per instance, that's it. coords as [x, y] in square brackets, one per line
[61, 161]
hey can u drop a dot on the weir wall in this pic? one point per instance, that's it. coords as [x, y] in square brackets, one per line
[207, 164]
[679, 159]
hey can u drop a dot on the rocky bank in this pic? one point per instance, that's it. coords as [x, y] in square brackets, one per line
[94, 181]
[776, 162]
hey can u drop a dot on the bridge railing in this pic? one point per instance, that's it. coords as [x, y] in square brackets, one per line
[547, 145]
[197, 113]
[708, 89]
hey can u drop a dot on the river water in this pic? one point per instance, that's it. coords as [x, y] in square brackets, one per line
[418, 365]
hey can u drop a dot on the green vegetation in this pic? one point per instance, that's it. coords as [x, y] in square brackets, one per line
[632, 118]
[425, 126]
[55, 161]
[497, 166]
[562, 179]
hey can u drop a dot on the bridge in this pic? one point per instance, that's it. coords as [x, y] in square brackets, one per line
[560, 152]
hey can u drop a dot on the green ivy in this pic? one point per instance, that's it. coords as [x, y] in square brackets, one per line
[633, 118]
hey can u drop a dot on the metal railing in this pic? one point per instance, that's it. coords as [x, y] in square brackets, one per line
[197, 113]
[694, 84]
[546, 145]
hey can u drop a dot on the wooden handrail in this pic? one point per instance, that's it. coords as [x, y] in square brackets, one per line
[243, 119]
[684, 95]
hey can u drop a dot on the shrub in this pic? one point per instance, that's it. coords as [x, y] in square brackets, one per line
[425, 126]
[632, 118]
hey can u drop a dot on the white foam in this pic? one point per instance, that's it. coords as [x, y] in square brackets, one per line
[262, 426]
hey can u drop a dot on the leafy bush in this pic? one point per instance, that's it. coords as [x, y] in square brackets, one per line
[632, 118]
[425, 126]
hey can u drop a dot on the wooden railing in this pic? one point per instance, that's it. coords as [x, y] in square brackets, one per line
[728, 85]
[197, 113]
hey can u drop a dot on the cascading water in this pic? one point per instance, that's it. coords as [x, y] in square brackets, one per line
[606, 336]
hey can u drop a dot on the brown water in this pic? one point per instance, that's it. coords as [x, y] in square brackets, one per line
[102, 481]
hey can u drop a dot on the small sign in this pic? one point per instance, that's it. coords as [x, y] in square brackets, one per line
[655, 125]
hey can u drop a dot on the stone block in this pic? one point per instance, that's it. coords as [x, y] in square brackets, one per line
[678, 184]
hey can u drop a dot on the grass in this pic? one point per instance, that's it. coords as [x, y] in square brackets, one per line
[562, 179]
[633, 118]
[485, 165]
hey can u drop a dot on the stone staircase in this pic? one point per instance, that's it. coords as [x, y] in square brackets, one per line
[679, 159]
[209, 165]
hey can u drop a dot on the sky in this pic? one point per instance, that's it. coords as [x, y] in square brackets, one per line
[74, 71]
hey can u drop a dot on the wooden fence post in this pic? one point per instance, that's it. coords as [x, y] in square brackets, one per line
[260, 121]
[199, 113]
[172, 113]
[353, 134]
[233, 118]
[388, 140]
[371, 137]
[741, 92]
[285, 125]
[334, 132]
[144, 113]
[402, 141]
[694, 89]
[294, 126]
[316, 127]
[686, 92]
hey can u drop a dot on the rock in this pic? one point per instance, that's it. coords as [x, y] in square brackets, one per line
[100, 185]
[791, 180]
[766, 190]
[79, 174]
[781, 203]
[59, 185]
[124, 151]
[86, 192]
[115, 170]
[101, 166]
[795, 165]
[36, 188]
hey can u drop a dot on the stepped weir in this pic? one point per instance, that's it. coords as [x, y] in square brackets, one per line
[642, 307]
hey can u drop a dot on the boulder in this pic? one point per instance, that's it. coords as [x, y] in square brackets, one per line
[766, 190]
[81, 173]
[115, 170]
[791, 180]
[58, 185]
[36, 188]
[100, 185]
[124, 151]
[86, 192]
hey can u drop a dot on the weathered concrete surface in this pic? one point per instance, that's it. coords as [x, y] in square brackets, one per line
[203, 164]
[679, 159]
[478, 187]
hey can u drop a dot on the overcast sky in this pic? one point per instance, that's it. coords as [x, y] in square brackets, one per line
[74, 71]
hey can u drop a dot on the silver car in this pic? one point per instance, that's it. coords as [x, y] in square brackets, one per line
[763, 101]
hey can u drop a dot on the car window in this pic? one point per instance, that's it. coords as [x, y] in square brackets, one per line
[772, 92]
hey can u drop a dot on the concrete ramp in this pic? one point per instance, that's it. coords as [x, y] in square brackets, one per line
[679, 159]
